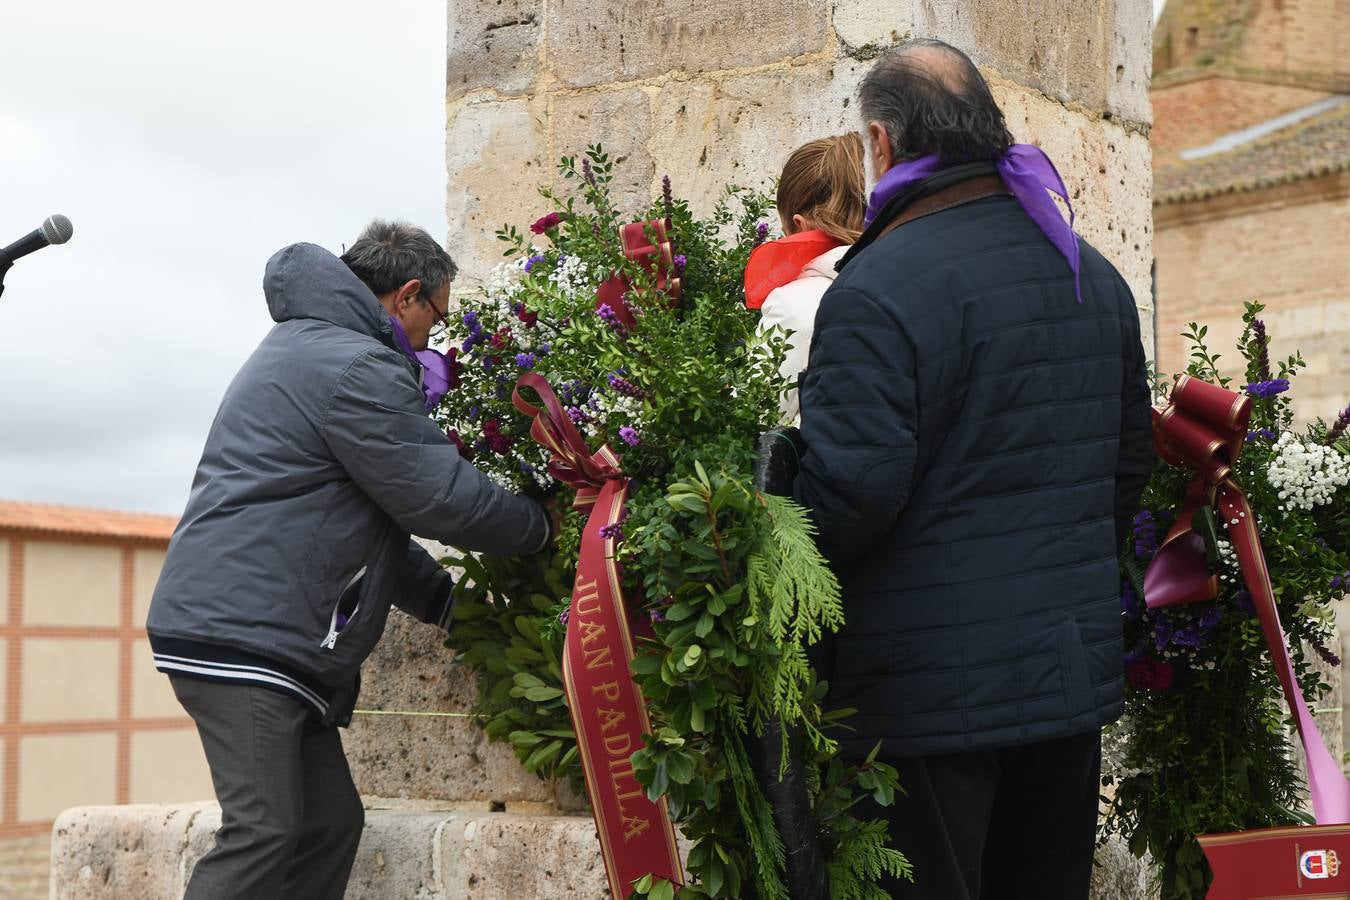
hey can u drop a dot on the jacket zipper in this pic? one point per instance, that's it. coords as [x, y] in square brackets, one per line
[334, 629]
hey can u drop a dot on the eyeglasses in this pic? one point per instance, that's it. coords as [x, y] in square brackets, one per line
[442, 318]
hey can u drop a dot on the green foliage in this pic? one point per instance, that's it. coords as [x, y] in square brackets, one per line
[1210, 753]
[730, 578]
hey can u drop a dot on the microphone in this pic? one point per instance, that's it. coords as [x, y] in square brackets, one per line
[54, 230]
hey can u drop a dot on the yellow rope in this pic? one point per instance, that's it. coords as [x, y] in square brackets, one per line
[411, 712]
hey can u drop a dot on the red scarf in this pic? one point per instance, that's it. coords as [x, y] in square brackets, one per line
[779, 262]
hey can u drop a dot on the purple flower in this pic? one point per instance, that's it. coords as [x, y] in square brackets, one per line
[613, 531]
[1260, 433]
[1211, 617]
[1145, 535]
[525, 360]
[1188, 637]
[1135, 655]
[1267, 389]
[1338, 429]
[656, 616]
[611, 318]
[1162, 632]
[624, 386]
[544, 349]
[564, 616]
[1243, 599]
[761, 233]
[530, 263]
[587, 172]
[1129, 600]
[680, 261]
[630, 436]
[1262, 348]
[577, 415]
[1328, 657]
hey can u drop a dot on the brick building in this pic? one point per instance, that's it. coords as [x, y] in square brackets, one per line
[86, 719]
[1251, 142]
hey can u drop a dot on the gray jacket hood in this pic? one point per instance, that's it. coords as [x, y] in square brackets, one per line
[305, 281]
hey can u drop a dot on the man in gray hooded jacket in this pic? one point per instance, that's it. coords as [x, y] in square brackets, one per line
[319, 466]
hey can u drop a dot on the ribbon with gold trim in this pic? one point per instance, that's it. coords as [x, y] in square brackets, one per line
[1203, 429]
[608, 712]
[648, 245]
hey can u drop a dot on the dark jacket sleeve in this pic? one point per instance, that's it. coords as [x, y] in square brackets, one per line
[1134, 462]
[424, 587]
[859, 424]
[378, 430]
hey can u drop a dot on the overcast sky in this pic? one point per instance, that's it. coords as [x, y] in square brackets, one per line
[186, 143]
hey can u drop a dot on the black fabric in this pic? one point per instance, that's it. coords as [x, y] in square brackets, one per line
[997, 824]
[291, 818]
[975, 441]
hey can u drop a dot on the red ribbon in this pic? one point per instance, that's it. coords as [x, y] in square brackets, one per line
[608, 712]
[648, 245]
[1203, 429]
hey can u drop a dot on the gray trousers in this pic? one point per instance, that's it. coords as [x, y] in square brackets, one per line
[291, 818]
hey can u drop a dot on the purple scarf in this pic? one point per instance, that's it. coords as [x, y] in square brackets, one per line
[434, 366]
[1027, 172]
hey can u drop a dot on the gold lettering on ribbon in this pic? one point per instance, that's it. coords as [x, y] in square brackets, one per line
[587, 593]
[610, 689]
[591, 632]
[611, 718]
[599, 658]
[620, 767]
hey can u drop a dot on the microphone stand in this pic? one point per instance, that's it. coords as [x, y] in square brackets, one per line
[5, 263]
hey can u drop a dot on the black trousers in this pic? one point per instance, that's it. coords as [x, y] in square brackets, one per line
[290, 815]
[1016, 822]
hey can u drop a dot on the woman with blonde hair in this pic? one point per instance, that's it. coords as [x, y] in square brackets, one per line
[821, 204]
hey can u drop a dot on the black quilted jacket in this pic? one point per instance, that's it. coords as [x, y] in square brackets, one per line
[976, 444]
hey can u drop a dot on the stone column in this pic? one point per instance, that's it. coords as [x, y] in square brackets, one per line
[712, 92]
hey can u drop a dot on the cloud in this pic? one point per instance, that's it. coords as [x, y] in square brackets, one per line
[186, 148]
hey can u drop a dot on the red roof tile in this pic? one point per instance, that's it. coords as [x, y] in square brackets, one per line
[79, 521]
[1316, 146]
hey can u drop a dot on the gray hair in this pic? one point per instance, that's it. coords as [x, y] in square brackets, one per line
[388, 255]
[931, 98]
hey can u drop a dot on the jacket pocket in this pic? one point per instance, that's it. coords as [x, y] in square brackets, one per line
[346, 608]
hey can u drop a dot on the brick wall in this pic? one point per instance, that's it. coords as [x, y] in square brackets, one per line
[1193, 113]
[1276, 245]
[85, 719]
[1310, 37]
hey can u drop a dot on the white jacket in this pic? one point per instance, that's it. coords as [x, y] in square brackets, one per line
[792, 307]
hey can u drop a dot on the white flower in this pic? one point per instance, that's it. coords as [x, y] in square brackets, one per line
[572, 277]
[502, 286]
[1306, 475]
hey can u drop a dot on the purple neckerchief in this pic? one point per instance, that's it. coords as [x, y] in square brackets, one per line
[435, 367]
[1027, 172]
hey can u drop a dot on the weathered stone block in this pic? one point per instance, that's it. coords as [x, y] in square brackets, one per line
[597, 43]
[137, 851]
[493, 45]
[1064, 48]
[504, 857]
[620, 121]
[497, 152]
[740, 128]
[147, 852]
[866, 28]
[398, 753]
